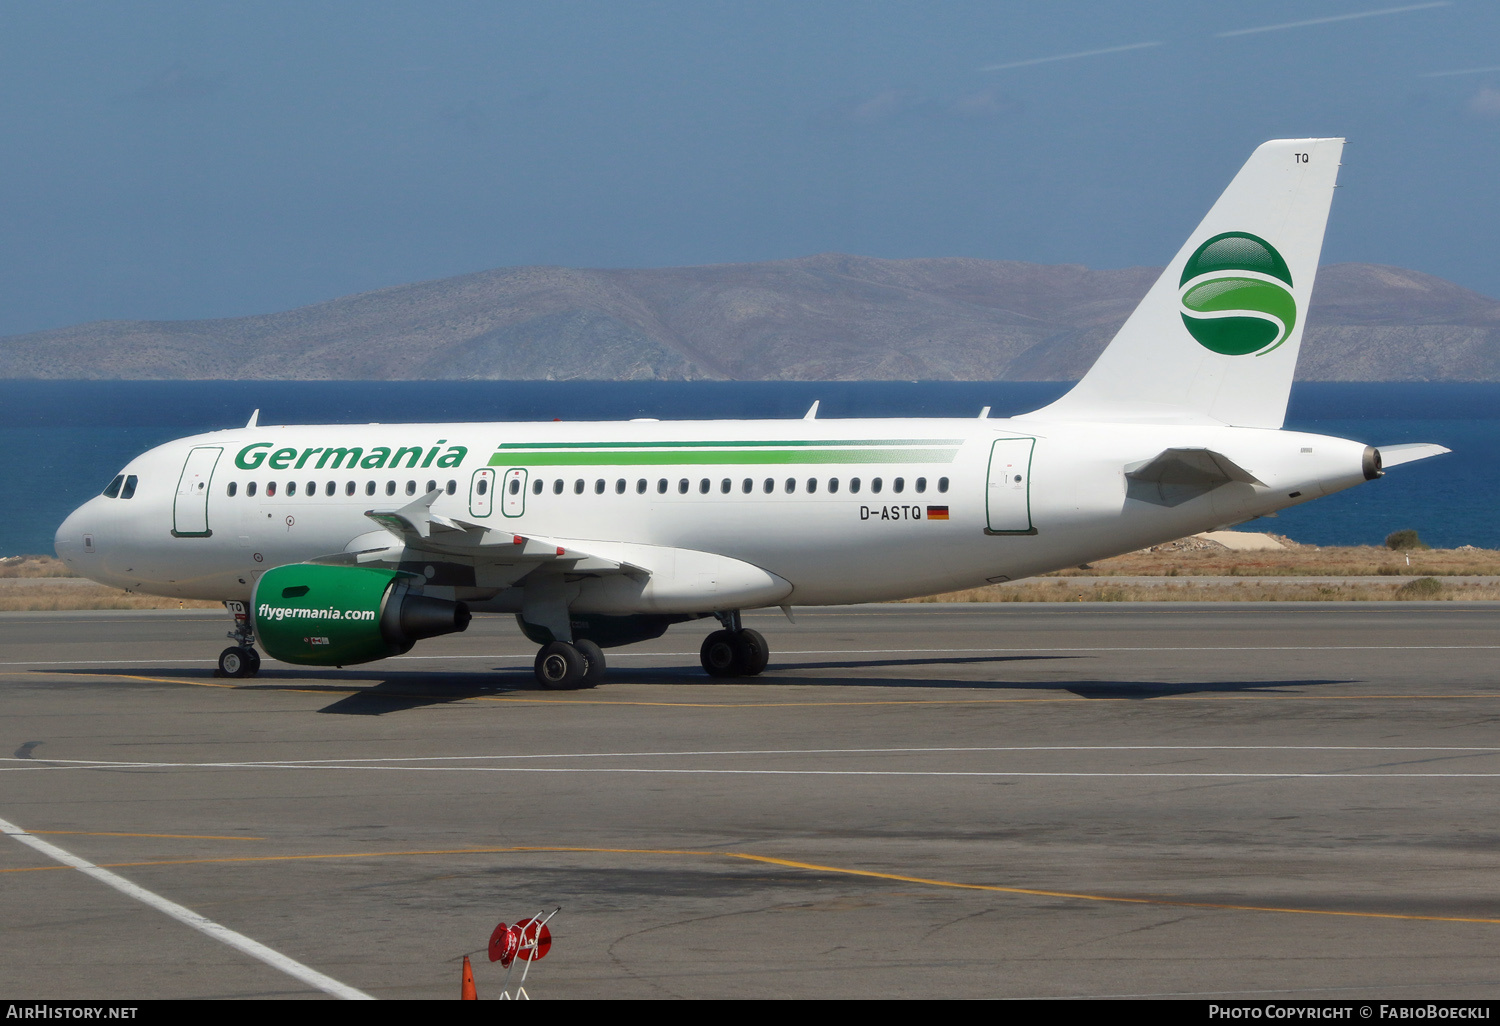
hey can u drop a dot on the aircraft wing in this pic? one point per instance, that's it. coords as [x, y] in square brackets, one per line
[415, 538]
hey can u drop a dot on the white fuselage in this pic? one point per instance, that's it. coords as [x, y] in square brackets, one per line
[958, 502]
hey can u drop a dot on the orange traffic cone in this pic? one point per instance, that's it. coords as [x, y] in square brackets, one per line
[468, 993]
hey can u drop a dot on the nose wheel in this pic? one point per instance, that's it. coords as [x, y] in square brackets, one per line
[240, 661]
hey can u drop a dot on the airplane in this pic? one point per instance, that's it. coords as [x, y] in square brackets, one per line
[334, 545]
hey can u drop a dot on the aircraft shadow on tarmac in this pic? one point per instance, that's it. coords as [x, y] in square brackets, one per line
[360, 695]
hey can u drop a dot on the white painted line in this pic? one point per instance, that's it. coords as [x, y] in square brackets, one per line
[274, 763]
[357, 765]
[223, 934]
[365, 768]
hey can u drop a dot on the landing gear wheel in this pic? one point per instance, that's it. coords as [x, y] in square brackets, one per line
[238, 662]
[754, 653]
[721, 655]
[594, 656]
[560, 666]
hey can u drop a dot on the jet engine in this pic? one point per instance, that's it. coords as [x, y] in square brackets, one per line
[339, 615]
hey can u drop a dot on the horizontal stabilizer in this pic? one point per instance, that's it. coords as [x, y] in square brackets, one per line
[1408, 452]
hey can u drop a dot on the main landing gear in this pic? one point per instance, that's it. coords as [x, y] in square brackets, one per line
[561, 666]
[240, 659]
[735, 651]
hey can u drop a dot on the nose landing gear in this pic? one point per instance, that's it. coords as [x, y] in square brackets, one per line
[240, 659]
[239, 662]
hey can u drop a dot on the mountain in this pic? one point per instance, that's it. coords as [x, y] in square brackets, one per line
[825, 317]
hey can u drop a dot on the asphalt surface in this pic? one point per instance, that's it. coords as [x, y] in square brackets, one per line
[1009, 800]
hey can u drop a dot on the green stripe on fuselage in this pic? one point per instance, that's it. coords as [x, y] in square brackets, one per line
[758, 444]
[532, 458]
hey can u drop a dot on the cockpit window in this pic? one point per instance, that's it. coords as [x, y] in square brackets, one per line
[128, 492]
[113, 491]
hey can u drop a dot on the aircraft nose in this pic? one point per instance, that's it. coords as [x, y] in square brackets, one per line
[74, 536]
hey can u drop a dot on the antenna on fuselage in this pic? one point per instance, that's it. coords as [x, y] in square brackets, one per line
[812, 411]
[254, 420]
[984, 414]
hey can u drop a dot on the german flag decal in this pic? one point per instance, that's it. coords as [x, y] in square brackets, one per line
[937, 512]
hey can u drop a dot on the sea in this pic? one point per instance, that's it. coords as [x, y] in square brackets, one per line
[62, 441]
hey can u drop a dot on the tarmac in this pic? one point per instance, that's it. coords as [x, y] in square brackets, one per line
[1236, 800]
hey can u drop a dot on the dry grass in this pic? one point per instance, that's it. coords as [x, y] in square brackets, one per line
[45, 595]
[1262, 589]
[33, 566]
[1296, 561]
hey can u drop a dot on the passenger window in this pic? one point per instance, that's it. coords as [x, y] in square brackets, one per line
[725, 485]
[599, 486]
[369, 487]
[453, 486]
[312, 488]
[349, 488]
[921, 485]
[791, 485]
[536, 487]
[250, 488]
[481, 486]
[661, 487]
[232, 489]
[747, 486]
[411, 487]
[942, 484]
[557, 486]
[875, 485]
[854, 485]
[619, 486]
[640, 486]
[270, 488]
[833, 484]
[812, 484]
[515, 486]
[703, 486]
[432, 487]
[128, 492]
[330, 488]
[769, 486]
[682, 486]
[899, 485]
[291, 488]
[113, 489]
[578, 487]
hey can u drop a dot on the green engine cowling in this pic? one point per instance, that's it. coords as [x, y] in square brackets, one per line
[339, 615]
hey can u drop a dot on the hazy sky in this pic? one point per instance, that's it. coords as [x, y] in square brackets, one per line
[180, 160]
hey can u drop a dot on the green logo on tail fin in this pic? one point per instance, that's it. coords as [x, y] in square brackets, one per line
[1233, 299]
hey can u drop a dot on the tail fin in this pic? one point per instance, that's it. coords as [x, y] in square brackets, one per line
[1217, 336]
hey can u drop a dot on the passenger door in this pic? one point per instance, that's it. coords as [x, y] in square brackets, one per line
[190, 505]
[1008, 496]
